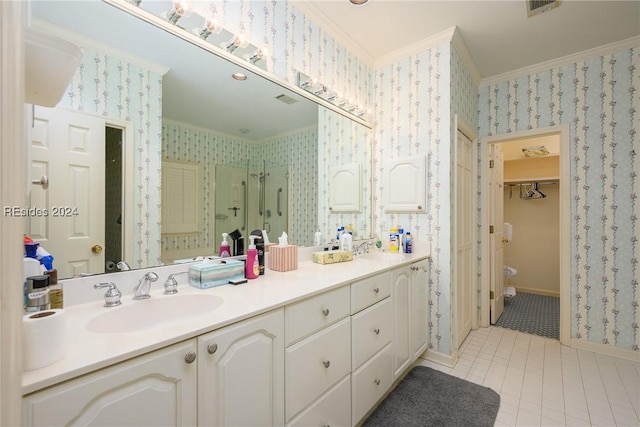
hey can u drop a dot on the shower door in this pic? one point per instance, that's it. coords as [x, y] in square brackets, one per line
[230, 201]
[276, 202]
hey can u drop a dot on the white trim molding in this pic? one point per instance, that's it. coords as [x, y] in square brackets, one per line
[618, 46]
[13, 192]
[565, 231]
[609, 350]
[440, 358]
[422, 45]
[313, 13]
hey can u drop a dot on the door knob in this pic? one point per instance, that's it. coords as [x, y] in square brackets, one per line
[96, 249]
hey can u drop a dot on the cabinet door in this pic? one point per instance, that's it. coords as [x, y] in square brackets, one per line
[404, 184]
[241, 367]
[401, 320]
[419, 301]
[345, 190]
[150, 390]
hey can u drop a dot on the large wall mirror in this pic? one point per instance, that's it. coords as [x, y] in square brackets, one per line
[185, 151]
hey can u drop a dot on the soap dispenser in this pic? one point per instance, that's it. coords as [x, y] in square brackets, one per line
[225, 249]
[251, 267]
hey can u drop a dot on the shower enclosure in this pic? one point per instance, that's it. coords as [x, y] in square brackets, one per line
[251, 197]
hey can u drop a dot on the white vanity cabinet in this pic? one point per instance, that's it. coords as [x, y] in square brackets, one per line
[158, 388]
[241, 373]
[318, 359]
[409, 297]
[371, 331]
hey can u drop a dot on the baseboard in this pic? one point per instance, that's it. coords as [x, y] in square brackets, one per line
[537, 292]
[608, 350]
[440, 358]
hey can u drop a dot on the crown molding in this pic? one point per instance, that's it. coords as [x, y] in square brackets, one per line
[313, 13]
[416, 47]
[461, 48]
[595, 52]
[100, 47]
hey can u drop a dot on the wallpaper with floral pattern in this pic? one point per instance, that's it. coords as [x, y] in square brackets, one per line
[412, 108]
[110, 87]
[599, 99]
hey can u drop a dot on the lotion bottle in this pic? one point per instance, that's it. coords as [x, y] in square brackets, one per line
[225, 249]
[252, 267]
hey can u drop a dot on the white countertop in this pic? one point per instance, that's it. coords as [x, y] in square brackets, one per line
[87, 351]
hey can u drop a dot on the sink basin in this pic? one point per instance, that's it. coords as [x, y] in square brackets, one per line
[153, 313]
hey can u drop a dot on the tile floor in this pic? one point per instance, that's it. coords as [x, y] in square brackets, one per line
[542, 383]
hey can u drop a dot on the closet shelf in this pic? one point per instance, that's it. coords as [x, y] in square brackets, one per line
[538, 179]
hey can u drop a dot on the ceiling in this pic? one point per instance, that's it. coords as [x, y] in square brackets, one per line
[499, 36]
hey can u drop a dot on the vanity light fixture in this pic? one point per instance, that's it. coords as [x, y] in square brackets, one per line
[239, 76]
[311, 84]
[239, 40]
[181, 8]
[260, 53]
[358, 2]
[136, 2]
[211, 26]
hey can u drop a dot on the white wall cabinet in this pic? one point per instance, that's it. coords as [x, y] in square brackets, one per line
[241, 373]
[404, 184]
[345, 188]
[150, 390]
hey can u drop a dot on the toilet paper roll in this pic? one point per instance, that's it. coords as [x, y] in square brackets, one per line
[508, 231]
[43, 338]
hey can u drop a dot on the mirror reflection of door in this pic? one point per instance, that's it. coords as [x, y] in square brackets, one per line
[230, 201]
[83, 158]
[276, 197]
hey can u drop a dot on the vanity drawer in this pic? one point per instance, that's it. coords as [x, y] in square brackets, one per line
[332, 409]
[308, 316]
[369, 291]
[315, 364]
[370, 331]
[370, 383]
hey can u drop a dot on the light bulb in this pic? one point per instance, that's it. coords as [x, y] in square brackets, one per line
[239, 40]
[180, 9]
[211, 26]
[260, 53]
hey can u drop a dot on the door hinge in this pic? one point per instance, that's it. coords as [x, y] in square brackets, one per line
[491, 295]
[491, 164]
[491, 229]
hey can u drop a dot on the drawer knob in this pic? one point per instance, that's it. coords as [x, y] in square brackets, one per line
[325, 312]
[377, 331]
[376, 290]
[190, 357]
[326, 363]
[377, 381]
[212, 348]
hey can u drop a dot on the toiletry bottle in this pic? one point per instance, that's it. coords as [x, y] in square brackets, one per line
[400, 239]
[225, 249]
[251, 267]
[408, 243]
[260, 247]
[393, 239]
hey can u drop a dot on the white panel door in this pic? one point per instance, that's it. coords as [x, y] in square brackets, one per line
[464, 237]
[496, 193]
[69, 148]
[241, 373]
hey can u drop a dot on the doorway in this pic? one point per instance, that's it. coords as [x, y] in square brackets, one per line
[519, 187]
[113, 198]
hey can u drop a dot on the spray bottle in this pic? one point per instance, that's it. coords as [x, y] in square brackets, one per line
[225, 249]
[252, 267]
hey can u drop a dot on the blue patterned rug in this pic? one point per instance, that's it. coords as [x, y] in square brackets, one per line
[531, 313]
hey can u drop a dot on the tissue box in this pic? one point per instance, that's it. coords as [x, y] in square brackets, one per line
[283, 258]
[331, 257]
[215, 273]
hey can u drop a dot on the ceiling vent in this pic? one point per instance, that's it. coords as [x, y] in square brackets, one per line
[535, 7]
[286, 99]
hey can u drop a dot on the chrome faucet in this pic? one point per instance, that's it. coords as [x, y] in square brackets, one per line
[362, 248]
[171, 284]
[144, 285]
[123, 266]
